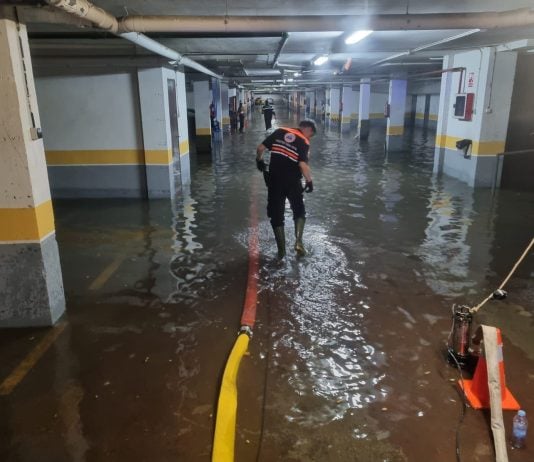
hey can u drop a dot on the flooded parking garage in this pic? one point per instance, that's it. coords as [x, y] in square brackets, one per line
[347, 361]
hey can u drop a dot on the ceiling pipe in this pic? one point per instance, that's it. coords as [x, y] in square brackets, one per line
[281, 45]
[156, 47]
[382, 22]
[425, 47]
[86, 10]
[103, 20]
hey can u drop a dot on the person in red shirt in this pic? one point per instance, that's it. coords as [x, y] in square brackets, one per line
[289, 163]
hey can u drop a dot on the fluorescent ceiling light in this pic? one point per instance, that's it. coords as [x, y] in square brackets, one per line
[357, 36]
[290, 80]
[320, 60]
[297, 74]
[531, 50]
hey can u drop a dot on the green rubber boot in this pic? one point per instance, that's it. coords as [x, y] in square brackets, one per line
[280, 237]
[299, 230]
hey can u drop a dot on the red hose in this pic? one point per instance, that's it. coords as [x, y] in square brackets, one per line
[248, 317]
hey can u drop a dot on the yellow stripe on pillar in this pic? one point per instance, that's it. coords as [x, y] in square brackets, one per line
[96, 157]
[479, 148]
[27, 224]
[395, 130]
[203, 131]
[158, 156]
[184, 147]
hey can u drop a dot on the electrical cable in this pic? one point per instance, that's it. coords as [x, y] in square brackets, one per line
[518, 262]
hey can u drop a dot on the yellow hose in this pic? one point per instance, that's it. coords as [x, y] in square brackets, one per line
[223, 443]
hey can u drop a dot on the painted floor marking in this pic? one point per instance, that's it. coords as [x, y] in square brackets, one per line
[18, 374]
[106, 273]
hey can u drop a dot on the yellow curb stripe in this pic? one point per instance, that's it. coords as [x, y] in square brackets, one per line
[27, 224]
[395, 130]
[376, 115]
[27, 364]
[479, 148]
[419, 115]
[106, 273]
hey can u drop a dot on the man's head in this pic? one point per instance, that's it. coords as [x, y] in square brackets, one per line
[307, 127]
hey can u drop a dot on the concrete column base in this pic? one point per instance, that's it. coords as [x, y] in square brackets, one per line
[394, 142]
[363, 129]
[476, 171]
[160, 181]
[203, 144]
[185, 168]
[31, 284]
[97, 181]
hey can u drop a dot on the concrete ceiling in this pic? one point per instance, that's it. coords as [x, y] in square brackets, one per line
[245, 56]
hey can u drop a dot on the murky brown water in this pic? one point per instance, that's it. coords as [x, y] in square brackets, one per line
[346, 363]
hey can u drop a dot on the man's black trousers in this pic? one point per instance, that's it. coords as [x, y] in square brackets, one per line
[278, 192]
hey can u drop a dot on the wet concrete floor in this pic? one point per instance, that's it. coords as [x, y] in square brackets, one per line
[347, 361]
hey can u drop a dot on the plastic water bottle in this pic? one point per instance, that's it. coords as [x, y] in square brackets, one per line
[519, 432]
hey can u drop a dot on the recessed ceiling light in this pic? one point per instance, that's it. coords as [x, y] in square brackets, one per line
[357, 36]
[320, 60]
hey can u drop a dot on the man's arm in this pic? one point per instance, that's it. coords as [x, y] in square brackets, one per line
[306, 171]
[260, 150]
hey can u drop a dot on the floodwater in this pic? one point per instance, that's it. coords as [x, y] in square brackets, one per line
[347, 360]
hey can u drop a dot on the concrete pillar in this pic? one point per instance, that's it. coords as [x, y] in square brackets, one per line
[225, 107]
[364, 109]
[30, 273]
[154, 91]
[183, 131]
[202, 97]
[489, 76]
[335, 100]
[349, 108]
[327, 105]
[397, 109]
[217, 100]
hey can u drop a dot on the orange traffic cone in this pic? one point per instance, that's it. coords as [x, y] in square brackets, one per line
[477, 391]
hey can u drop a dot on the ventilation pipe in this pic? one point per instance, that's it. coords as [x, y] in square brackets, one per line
[103, 20]
[523, 17]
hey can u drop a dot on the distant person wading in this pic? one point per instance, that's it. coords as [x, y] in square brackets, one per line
[268, 114]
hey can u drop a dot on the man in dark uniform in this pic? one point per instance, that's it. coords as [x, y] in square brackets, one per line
[268, 113]
[289, 162]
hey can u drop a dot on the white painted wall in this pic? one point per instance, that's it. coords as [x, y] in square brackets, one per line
[378, 102]
[420, 106]
[202, 96]
[334, 101]
[434, 106]
[90, 112]
[484, 63]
